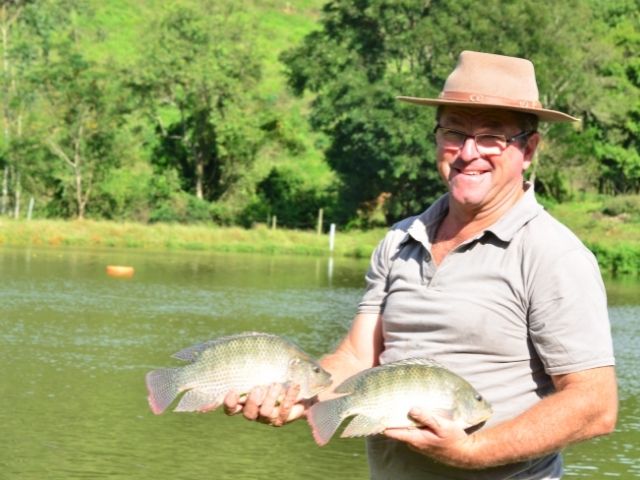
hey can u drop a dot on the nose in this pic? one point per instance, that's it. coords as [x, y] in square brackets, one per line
[469, 150]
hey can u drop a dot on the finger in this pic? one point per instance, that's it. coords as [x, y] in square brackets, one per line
[268, 408]
[426, 420]
[289, 400]
[252, 406]
[232, 403]
[410, 435]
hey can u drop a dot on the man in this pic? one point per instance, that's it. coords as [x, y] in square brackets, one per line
[488, 284]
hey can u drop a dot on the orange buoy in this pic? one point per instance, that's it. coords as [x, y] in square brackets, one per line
[122, 271]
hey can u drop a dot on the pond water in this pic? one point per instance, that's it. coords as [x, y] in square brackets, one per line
[75, 345]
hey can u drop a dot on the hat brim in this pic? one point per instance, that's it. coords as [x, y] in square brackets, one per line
[542, 113]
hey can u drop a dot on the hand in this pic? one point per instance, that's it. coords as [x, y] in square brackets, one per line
[274, 405]
[437, 437]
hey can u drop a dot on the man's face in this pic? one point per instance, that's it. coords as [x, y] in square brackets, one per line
[478, 181]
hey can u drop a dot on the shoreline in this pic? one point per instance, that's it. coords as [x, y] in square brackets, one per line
[616, 256]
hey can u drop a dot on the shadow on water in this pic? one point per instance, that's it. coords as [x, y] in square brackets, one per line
[75, 345]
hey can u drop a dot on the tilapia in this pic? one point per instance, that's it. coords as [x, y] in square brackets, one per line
[237, 362]
[381, 397]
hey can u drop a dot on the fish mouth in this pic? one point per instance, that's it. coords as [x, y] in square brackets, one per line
[476, 427]
[480, 419]
[319, 388]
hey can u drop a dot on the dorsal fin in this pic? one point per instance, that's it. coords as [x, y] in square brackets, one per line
[190, 354]
[428, 362]
[350, 384]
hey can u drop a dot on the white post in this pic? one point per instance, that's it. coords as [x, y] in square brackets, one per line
[332, 236]
[30, 211]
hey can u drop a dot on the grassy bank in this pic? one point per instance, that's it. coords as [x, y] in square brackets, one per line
[103, 234]
[614, 239]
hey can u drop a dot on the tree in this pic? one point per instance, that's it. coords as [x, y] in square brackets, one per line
[615, 122]
[369, 51]
[196, 81]
[14, 96]
[85, 110]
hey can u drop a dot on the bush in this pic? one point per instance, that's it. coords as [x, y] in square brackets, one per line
[283, 193]
[181, 208]
[124, 195]
[627, 205]
[619, 260]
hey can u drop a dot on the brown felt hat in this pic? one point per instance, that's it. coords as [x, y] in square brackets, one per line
[493, 81]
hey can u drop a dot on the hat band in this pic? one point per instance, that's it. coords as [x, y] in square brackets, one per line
[489, 100]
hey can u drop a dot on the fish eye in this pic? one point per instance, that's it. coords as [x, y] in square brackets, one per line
[316, 369]
[478, 397]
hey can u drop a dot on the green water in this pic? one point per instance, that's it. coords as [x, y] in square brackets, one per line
[75, 345]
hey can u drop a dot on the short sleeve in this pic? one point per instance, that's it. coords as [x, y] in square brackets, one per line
[376, 279]
[568, 317]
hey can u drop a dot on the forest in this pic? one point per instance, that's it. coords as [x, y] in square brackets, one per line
[238, 112]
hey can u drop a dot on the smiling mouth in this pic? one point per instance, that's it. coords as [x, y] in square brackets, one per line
[470, 172]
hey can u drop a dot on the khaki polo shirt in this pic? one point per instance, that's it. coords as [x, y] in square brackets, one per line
[519, 302]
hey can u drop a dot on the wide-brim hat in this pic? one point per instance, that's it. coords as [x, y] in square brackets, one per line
[493, 81]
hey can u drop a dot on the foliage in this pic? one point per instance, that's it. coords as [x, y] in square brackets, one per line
[177, 111]
[282, 194]
[369, 51]
[616, 117]
[622, 259]
[16, 98]
[84, 140]
[627, 206]
[194, 80]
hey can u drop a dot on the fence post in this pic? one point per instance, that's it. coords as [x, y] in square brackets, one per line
[332, 237]
[30, 210]
[320, 214]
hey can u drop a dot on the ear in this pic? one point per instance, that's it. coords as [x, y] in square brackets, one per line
[530, 149]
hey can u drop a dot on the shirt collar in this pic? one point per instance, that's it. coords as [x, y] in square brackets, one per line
[518, 216]
[423, 227]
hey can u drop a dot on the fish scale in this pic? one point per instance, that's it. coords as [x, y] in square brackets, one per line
[381, 397]
[238, 362]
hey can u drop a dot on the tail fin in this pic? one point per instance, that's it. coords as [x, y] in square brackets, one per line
[163, 387]
[325, 418]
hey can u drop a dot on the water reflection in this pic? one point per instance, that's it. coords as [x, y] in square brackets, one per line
[75, 345]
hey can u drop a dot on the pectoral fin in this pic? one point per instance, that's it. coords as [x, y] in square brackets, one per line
[198, 401]
[362, 426]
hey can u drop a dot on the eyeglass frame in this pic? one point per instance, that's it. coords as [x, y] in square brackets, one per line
[508, 140]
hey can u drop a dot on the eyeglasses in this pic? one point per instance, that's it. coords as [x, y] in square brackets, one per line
[486, 143]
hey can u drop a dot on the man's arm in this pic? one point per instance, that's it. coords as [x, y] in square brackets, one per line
[359, 349]
[584, 406]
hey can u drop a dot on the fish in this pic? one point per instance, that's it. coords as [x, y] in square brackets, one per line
[236, 362]
[381, 397]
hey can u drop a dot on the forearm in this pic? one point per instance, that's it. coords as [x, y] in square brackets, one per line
[577, 412]
[341, 365]
[584, 406]
[358, 351]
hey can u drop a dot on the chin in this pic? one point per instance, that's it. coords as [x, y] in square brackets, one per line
[468, 197]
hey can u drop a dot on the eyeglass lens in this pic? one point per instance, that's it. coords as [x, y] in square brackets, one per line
[486, 142]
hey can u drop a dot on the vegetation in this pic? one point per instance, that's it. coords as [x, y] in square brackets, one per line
[161, 236]
[237, 113]
[613, 237]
